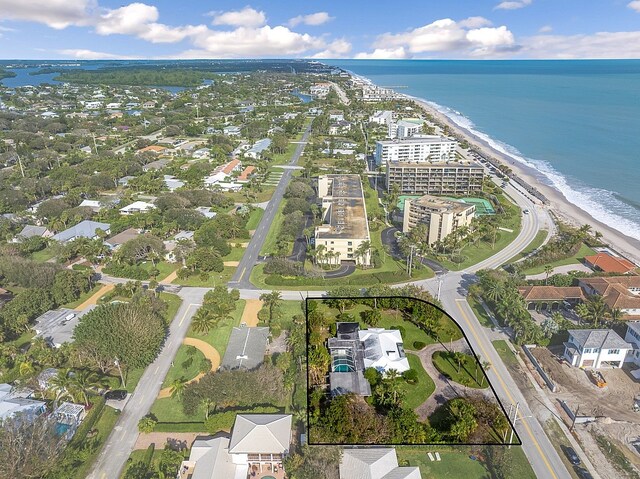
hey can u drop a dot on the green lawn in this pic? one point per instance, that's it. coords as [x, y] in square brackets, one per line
[43, 255]
[218, 337]
[104, 426]
[575, 259]
[186, 365]
[236, 254]
[254, 219]
[416, 394]
[374, 208]
[455, 463]
[504, 351]
[214, 278]
[447, 365]
[269, 244]
[169, 410]
[480, 313]
[164, 267]
[173, 304]
[535, 244]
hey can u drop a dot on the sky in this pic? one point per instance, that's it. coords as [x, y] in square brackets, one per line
[187, 29]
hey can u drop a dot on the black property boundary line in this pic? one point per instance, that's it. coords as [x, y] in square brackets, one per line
[360, 298]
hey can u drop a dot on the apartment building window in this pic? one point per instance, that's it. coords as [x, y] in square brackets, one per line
[614, 351]
[349, 243]
[349, 249]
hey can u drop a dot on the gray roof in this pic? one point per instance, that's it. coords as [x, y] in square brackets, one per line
[374, 463]
[85, 229]
[261, 434]
[598, 338]
[212, 459]
[30, 231]
[55, 328]
[634, 326]
[246, 348]
[122, 237]
[349, 382]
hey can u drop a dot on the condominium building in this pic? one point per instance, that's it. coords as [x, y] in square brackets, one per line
[345, 225]
[410, 127]
[438, 178]
[442, 217]
[415, 149]
[382, 117]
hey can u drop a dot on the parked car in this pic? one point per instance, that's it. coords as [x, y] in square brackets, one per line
[582, 473]
[116, 395]
[571, 455]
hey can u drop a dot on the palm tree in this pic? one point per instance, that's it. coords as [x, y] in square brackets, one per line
[458, 357]
[272, 302]
[547, 270]
[62, 385]
[594, 309]
[206, 403]
[82, 382]
[486, 365]
[362, 251]
[26, 368]
[177, 388]
[203, 321]
[494, 291]
[615, 315]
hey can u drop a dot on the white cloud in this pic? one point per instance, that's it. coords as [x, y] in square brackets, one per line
[634, 5]
[81, 54]
[56, 14]
[336, 49]
[475, 22]
[383, 54]
[447, 36]
[247, 17]
[546, 29]
[256, 42]
[312, 19]
[597, 45]
[512, 5]
[160, 33]
[132, 19]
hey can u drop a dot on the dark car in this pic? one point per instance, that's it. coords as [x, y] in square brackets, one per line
[117, 395]
[582, 473]
[571, 455]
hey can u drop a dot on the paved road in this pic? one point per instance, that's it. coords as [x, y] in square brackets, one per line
[240, 278]
[120, 442]
[389, 239]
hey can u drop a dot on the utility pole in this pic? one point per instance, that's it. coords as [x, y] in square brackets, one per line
[95, 145]
[116, 361]
[575, 416]
[504, 436]
[20, 163]
[439, 287]
[515, 418]
[410, 259]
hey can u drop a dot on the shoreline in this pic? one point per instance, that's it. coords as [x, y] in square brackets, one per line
[558, 204]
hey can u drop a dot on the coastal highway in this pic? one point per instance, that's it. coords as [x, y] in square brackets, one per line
[242, 274]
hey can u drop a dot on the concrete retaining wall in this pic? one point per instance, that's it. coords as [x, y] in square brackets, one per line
[570, 413]
[550, 384]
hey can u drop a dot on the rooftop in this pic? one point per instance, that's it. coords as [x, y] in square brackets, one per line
[261, 433]
[374, 463]
[598, 338]
[610, 264]
[85, 229]
[246, 348]
[550, 293]
[441, 205]
[346, 215]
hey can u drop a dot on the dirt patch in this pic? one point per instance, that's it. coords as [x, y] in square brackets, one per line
[170, 277]
[231, 263]
[250, 312]
[209, 352]
[614, 401]
[95, 297]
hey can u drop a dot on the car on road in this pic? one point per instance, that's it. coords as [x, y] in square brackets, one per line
[571, 455]
[582, 473]
[116, 395]
[526, 212]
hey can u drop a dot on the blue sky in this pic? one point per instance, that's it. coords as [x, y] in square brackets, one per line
[480, 29]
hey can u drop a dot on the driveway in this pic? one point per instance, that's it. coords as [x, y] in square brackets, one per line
[389, 239]
[345, 269]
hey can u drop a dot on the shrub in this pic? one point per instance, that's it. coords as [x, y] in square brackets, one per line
[418, 345]
[411, 376]
[147, 424]
[148, 455]
[126, 271]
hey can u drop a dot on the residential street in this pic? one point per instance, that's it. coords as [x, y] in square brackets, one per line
[242, 274]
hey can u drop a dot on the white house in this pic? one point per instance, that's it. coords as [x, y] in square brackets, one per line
[595, 348]
[95, 205]
[260, 440]
[172, 183]
[258, 148]
[231, 130]
[381, 117]
[374, 463]
[383, 350]
[137, 207]
[13, 401]
[633, 338]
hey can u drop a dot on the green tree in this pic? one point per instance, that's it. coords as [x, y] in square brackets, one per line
[273, 302]
[147, 424]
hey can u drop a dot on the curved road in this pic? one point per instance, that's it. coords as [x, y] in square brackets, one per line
[452, 288]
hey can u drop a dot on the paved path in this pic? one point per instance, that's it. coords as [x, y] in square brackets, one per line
[209, 352]
[242, 274]
[95, 297]
[120, 442]
[445, 388]
[561, 270]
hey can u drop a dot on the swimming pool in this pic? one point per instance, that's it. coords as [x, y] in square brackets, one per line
[342, 368]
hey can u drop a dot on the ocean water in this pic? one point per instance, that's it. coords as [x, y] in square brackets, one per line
[576, 122]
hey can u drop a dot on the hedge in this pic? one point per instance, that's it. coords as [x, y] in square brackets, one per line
[89, 421]
[148, 455]
[224, 421]
[384, 277]
[126, 271]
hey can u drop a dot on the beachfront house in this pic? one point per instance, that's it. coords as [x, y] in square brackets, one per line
[595, 348]
[374, 463]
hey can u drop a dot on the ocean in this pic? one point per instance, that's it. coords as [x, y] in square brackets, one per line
[577, 122]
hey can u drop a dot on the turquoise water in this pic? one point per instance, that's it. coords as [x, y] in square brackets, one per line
[343, 368]
[577, 121]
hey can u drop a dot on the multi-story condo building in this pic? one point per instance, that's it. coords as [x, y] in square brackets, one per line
[442, 217]
[382, 117]
[416, 149]
[345, 225]
[411, 127]
[438, 178]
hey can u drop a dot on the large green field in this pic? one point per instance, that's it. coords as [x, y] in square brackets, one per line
[464, 374]
[575, 259]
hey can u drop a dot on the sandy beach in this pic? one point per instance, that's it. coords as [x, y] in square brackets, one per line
[560, 206]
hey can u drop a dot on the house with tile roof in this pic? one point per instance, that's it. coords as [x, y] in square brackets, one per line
[610, 264]
[621, 292]
[595, 348]
[258, 442]
[550, 297]
[374, 463]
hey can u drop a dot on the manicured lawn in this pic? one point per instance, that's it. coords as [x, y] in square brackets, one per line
[104, 425]
[455, 464]
[480, 313]
[374, 208]
[504, 351]
[535, 244]
[218, 337]
[164, 267]
[170, 410]
[412, 333]
[416, 394]
[447, 365]
[575, 259]
[269, 244]
[254, 218]
[214, 278]
[83, 297]
[236, 254]
[186, 365]
[43, 255]
[173, 303]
